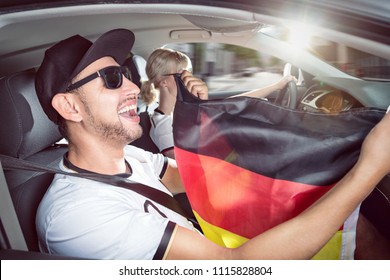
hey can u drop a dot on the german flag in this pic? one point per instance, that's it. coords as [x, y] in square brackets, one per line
[248, 165]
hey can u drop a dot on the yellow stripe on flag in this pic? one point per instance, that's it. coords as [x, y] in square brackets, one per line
[220, 236]
[331, 251]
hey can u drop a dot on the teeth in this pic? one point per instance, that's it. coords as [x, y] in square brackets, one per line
[127, 108]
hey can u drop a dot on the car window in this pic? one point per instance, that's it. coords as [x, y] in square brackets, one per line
[229, 69]
[351, 60]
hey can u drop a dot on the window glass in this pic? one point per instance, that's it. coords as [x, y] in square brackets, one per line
[352, 61]
[229, 69]
[348, 59]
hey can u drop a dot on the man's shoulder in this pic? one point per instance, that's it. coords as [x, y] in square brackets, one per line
[140, 154]
[144, 160]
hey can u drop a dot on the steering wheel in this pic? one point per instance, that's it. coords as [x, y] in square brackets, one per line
[289, 94]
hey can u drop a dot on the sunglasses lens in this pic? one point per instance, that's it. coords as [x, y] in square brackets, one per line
[112, 77]
[126, 72]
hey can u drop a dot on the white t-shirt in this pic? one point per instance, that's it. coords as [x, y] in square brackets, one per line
[88, 219]
[161, 130]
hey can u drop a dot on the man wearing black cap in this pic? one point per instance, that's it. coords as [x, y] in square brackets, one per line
[83, 89]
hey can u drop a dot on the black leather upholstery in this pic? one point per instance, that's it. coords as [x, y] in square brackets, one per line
[24, 127]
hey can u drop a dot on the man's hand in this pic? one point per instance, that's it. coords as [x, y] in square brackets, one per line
[195, 85]
[284, 81]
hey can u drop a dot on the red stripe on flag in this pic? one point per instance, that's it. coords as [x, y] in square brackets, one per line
[238, 200]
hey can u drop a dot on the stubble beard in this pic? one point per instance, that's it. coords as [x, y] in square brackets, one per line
[116, 132]
[113, 132]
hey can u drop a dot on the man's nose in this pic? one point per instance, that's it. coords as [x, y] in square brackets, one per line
[130, 86]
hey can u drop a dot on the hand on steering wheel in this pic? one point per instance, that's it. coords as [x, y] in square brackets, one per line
[288, 94]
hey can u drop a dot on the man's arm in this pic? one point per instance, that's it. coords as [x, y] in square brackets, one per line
[171, 178]
[265, 91]
[303, 236]
[198, 88]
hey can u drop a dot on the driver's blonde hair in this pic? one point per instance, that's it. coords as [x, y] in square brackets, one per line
[161, 61]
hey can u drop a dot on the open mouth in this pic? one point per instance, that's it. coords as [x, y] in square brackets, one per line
[128, 111]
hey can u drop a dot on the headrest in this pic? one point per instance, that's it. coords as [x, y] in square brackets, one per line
[140, 65]
[137, 66]
[24, 127]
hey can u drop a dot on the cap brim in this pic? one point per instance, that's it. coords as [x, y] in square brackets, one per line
[116, 43]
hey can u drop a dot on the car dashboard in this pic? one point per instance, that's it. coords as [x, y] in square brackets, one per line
[327, 99]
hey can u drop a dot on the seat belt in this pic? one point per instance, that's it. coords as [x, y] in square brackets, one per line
[11, 163]
[14, 238]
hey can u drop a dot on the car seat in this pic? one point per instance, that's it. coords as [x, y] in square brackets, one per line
[27, 133]
[137, 66]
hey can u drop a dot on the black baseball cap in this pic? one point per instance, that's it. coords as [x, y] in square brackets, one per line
[66, 59]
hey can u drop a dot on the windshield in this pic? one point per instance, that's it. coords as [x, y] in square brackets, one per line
[348, 59]
[352, 61]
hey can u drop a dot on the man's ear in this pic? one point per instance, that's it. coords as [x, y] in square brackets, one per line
[66, 105]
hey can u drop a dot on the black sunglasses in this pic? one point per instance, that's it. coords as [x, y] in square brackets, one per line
[172, 74]
[112, 77]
